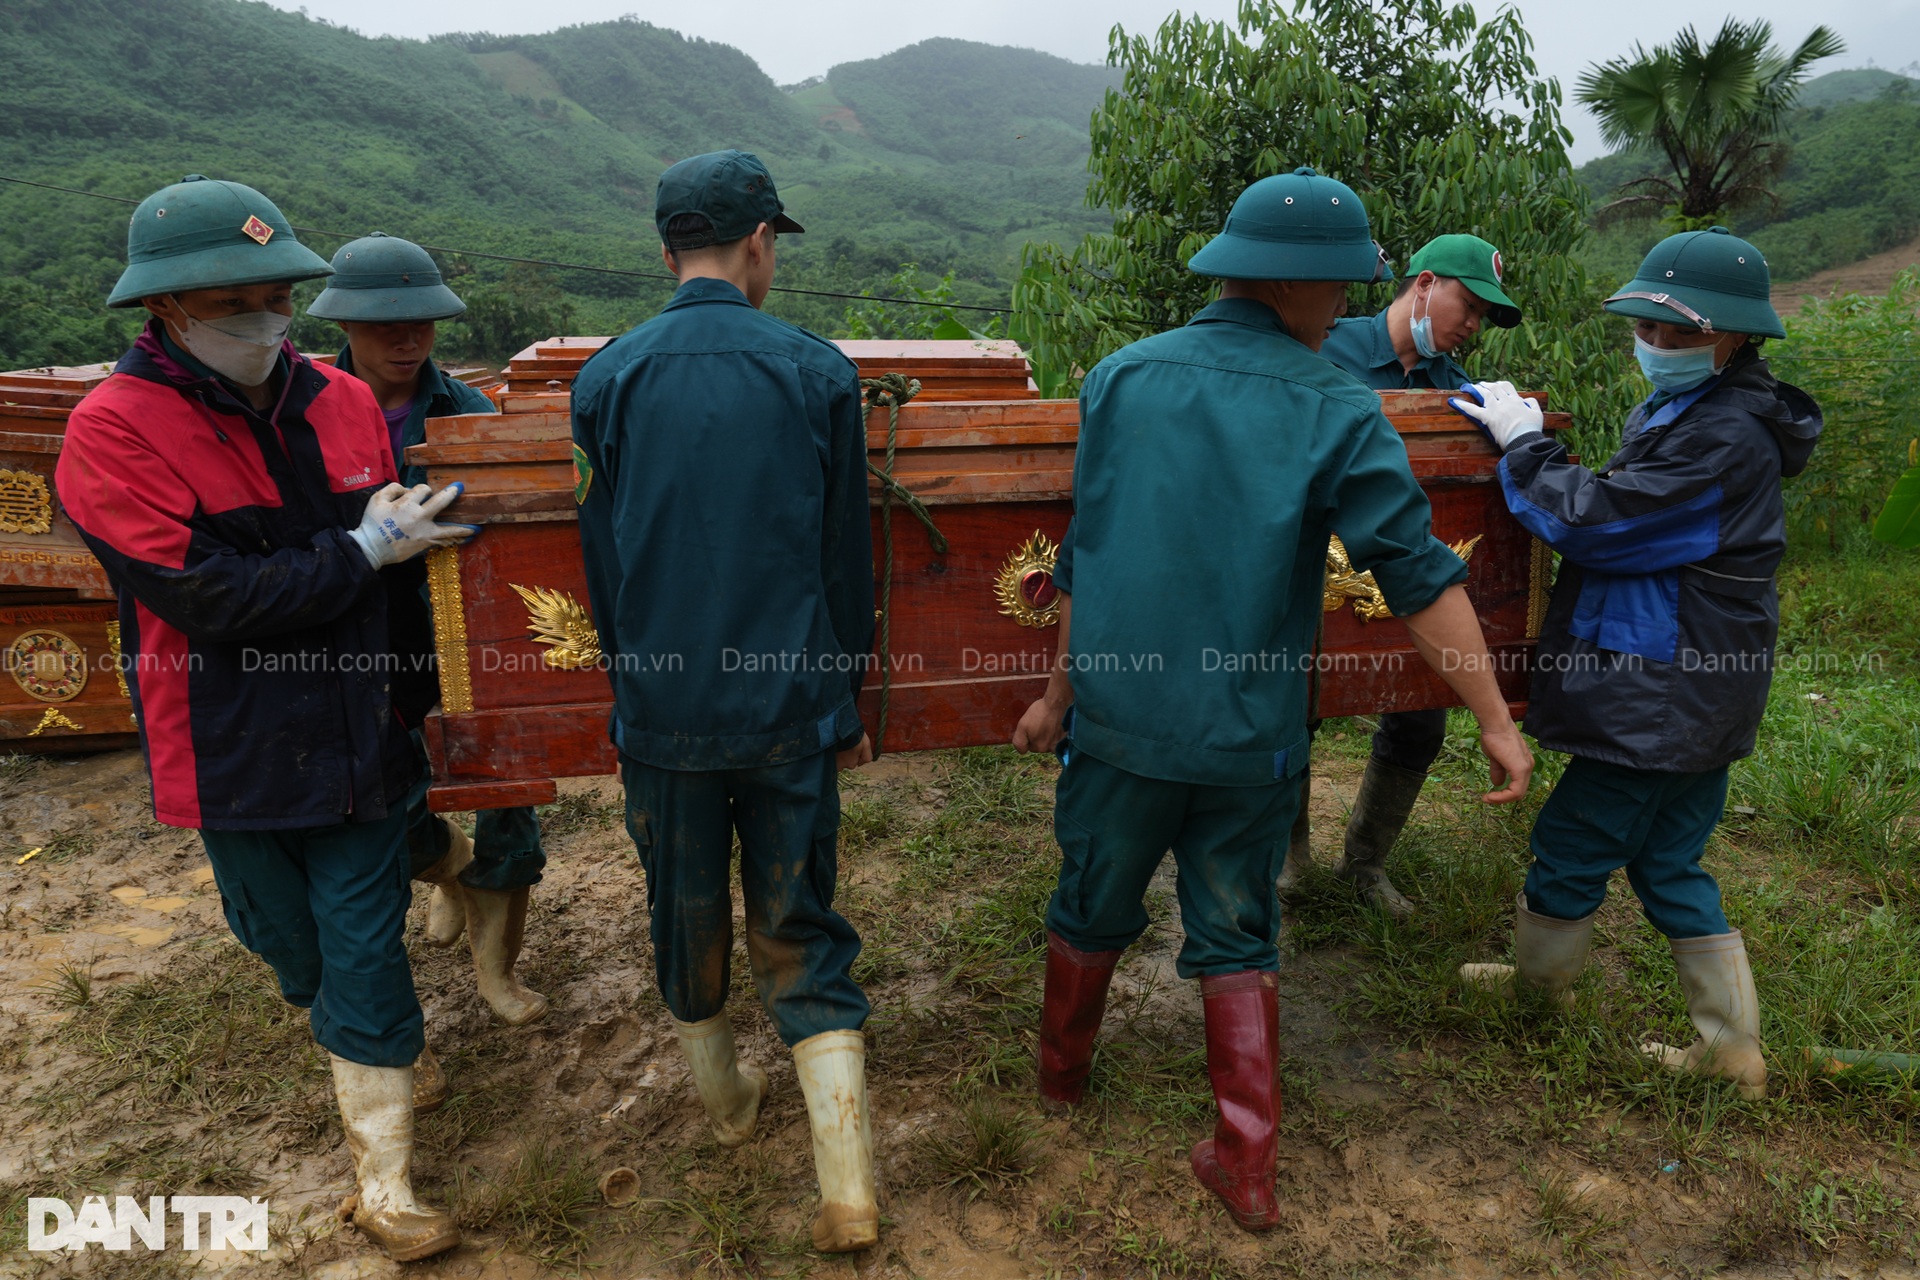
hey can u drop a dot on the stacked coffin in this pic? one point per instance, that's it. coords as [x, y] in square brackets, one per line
[967, 633]
[63, 687]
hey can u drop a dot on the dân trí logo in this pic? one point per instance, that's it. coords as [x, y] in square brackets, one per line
[206, 1222]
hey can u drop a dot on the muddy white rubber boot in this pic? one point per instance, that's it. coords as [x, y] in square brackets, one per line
[1299, 860]
[496, 925]
[1547, 954]
[430, 1089]
[447, 914]
[376, 1110]
[1724, 1007]
[730, 1089]
[832, 1067]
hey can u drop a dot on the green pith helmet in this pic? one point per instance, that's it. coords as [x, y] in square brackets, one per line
[202, 234]
[1710, 280]
[1476, 264]
[382, 279]
[1295, 226]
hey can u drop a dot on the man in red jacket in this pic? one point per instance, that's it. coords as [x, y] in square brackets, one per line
[243, 502]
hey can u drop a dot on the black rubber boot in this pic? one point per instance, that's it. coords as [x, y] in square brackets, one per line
[1380, 811]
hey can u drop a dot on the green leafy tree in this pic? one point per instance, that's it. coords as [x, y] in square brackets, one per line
[1716, 111]
[933, 318]
[502, 318]
[1441, 122]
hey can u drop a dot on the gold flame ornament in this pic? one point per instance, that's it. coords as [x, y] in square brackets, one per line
[54, 719]
[557, 620]
[1025, 587]
[1343, 585]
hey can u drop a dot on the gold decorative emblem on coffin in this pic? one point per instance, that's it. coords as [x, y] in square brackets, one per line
[119, 663]
[557, 620]
[53, 720]
[50, 666]
[1024, 586]
[449, 629]
[1343, 585]
[26, 505]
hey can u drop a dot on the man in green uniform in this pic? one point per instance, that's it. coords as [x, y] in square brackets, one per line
[1452, 286]
[724, 525]
[388, 295]
[1214, 462]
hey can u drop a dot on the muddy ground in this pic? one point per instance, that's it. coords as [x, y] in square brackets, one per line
[147, 1054]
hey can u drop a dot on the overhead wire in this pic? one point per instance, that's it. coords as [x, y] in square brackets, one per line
[811, 293]
[551, 263]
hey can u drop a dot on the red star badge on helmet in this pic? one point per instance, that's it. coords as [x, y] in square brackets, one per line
[256, 230]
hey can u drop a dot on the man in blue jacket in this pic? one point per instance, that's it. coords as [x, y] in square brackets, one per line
[1452, 286]
[388, 295]
[723, 516]
[242, 500]
[1214, 463]
[1657, 654]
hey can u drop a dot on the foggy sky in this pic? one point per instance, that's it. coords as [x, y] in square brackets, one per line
[792, 41]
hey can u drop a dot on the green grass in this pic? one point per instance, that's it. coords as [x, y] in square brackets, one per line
[541, 1201]
[211, 1038]
[994, 1146]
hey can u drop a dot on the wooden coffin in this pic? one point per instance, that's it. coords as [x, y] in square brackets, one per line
[969, 632]
[39, 547]
[61, 685]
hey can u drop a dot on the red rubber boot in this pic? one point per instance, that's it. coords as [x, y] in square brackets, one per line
[1243, 1054]
[1076, 997]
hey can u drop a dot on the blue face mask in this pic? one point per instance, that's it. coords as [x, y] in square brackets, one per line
[1677, 370]
[1422, 327]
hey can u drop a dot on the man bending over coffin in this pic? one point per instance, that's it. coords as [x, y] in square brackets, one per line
[242, 499]
[1214, 462]
[1452, 286]
[388, 295]
[723, 517]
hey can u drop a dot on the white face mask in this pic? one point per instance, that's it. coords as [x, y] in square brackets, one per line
[241, 348]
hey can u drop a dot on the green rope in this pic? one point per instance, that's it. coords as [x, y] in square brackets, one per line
[893, 390]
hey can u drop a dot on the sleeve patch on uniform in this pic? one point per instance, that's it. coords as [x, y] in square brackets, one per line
[582, 475]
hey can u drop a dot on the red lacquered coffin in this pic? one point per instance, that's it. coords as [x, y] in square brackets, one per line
[967, 631]
[62, 687]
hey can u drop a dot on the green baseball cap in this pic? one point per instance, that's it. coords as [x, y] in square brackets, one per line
[1475, 264]
[1295, 226]
[1710, 280]
[382, 279]
[732, 190]
[203, 234]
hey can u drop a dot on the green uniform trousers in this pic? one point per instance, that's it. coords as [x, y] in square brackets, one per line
[1114, 827]
[787, 816]
[327, 908]
[1605, 816]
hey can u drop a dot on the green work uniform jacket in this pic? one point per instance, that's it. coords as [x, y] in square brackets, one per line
[1214, 462]
[722, 460]
[1363, 347]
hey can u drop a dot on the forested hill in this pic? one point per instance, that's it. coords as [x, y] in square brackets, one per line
[947, 154]
[1851, 186]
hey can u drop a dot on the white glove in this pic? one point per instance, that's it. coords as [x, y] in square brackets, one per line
[1502, 412]
[399, 525]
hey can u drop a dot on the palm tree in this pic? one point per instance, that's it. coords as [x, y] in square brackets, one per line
[1715, 110]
